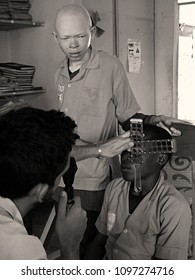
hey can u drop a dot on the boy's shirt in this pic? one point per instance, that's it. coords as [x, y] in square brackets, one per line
[15, 243]
[159, 226]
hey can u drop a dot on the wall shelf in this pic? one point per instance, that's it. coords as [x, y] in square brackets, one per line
[6, 25]
[37, 90]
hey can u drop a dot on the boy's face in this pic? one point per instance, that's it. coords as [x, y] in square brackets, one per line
[148, 166]
[74, 36]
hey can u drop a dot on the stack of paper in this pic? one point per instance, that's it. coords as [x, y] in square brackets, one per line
[18, 76]
[4, 9]
[7, 104]
[19, 9]
[15, 10]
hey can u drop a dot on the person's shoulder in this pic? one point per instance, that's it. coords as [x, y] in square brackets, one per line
[174, 195]
[116, 184]
[108, 58]
[117, 181]
[61, 65]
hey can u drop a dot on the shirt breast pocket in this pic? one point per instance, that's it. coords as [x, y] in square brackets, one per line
[92, 101]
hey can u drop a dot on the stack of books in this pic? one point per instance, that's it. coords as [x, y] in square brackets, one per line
[19, 74]
[15, 10]
[4, 9]
[7, 104]
[17, 78]
[19, 10]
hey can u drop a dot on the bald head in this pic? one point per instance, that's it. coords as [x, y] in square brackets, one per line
[74, 33]
[72, 13]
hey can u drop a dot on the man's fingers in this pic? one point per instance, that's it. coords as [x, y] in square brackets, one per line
[77, 201]
[125, 135]
[174, 120]
[170, 120]
[77, 207]
[126, 146]
[175, 132]
[171, 130]
[162, 125]
[62, 206]
[167, 120]
[123, 142]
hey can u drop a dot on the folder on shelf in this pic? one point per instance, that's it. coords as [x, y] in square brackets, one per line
[16, 79]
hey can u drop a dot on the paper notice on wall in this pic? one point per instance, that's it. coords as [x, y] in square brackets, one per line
[134, 56]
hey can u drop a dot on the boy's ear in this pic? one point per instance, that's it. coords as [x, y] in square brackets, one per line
[39, 191]
[93, 31]
[162, 159]
[55, 37]
[42, 191]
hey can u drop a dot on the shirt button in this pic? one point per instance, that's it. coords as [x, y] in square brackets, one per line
[125, 230]
[69, 85]
[115, 251]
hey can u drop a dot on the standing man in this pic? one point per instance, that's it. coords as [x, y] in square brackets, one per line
[93, 89]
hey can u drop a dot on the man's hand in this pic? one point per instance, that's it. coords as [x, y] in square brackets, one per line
[166, 123]
[70, 227]
[109, 148]
[116, 145]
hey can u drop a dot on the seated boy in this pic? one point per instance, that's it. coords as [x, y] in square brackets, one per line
[152, 224]
[35, 148]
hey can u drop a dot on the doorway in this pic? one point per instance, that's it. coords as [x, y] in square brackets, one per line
[186, 61]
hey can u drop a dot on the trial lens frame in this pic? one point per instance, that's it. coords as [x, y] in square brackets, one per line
[142, 147]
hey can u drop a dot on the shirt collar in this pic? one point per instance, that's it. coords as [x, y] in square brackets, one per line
[151, 193]
[93, 62]
[10, 208]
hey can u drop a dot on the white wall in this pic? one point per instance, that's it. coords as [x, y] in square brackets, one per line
[105, 11]
[136, 20]
[166, 44]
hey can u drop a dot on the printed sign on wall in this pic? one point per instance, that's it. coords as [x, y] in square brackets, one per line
[134, 56]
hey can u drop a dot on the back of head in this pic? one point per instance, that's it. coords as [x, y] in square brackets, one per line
[34, 146]
[153, 132]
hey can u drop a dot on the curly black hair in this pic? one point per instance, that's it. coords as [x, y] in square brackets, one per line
[34, 147]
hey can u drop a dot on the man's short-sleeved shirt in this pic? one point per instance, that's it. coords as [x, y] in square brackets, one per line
[15, 243]
[159, 227]
[94, 98]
